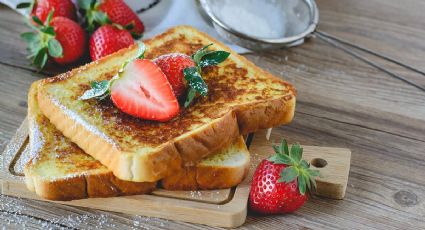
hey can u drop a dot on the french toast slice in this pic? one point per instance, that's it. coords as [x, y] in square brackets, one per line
[59, 170]
[242, 98]
[224, 169]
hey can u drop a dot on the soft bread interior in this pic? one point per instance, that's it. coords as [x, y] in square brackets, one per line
[236, 155]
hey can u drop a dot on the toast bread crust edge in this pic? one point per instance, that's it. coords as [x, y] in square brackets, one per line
[147, 167]
[208, 177]
[79, 186]
[168, 158]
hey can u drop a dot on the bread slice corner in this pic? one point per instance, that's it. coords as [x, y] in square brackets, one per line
[224, 169]
[59, 170]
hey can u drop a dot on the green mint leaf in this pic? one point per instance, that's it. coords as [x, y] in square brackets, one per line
[302, 184]
[98, 90]
[30, 37]
[37, 20]
[84, 4]
[197, 56]
[213, 58]
[288, 174]
[23, 5]
[190, 96]
[55, 48]
[195, 81]
[296, 152]
[283, 148]
[40, 58]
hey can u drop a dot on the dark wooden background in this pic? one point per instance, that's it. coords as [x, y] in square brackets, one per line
[342, 102]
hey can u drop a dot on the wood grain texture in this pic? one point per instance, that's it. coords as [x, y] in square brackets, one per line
[224, 208]
[342, 102]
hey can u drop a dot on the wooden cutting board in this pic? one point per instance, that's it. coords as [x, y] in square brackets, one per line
[223, 208]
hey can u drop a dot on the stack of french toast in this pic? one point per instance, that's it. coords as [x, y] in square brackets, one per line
[90, 148]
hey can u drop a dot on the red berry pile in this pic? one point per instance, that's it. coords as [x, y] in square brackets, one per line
[106, 27]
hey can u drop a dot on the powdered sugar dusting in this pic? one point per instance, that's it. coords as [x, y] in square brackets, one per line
[78, 119]
[16, 213]
[11, 149]
[23, 160]
[31, 151]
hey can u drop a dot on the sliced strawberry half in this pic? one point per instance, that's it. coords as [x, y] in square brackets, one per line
[143, 91]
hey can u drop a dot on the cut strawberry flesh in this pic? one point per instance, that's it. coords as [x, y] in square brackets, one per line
[143, 91]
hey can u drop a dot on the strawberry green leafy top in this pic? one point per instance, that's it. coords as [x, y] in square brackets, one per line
[297, 168]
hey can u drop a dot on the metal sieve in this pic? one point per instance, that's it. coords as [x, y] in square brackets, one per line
[263, 24]
[271, 24]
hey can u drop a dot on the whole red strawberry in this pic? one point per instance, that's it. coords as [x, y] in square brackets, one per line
[120, 13]
[72, 39]
[173, 65]
[184, 72]
[60, 38]
[108, 39]
[42, 8]
[101, 12]
[280, 183]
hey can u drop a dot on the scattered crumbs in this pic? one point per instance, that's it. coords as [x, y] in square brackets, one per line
[139, 221]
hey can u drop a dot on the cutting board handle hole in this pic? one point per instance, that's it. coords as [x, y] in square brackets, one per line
[319, 162]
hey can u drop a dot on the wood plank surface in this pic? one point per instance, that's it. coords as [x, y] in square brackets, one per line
[342, 102]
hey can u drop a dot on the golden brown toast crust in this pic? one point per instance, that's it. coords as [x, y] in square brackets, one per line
[86, 178]
[208, 176]
[171, 144]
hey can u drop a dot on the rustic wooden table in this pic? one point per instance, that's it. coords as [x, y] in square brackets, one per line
[342, 102]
